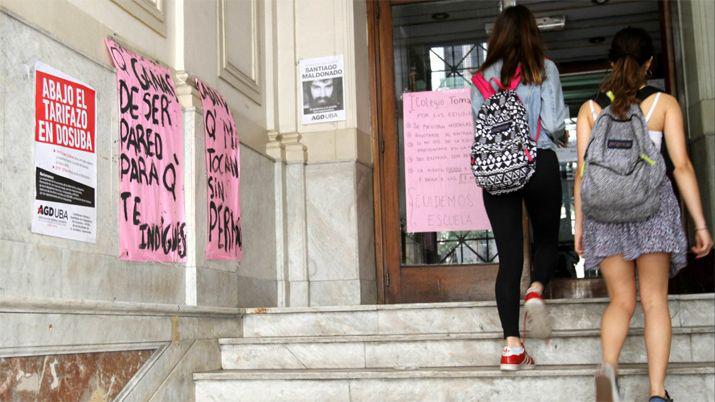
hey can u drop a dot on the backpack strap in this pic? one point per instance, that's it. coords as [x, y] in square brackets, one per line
[516, 79]
[538, 132]
[483, 86]
[652, 107]
[486, 89]
[602, 100]
[647, 91]
[513, 83]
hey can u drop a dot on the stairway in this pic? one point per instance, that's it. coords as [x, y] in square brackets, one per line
[446, 352]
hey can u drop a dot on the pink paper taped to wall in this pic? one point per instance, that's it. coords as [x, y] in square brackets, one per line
[151, 160]
[440, 192]
[223, 174]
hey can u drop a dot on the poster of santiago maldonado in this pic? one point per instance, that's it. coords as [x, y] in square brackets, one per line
[322, 94]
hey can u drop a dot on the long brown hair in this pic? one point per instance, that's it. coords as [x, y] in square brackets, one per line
[516, 40]
[630, 49]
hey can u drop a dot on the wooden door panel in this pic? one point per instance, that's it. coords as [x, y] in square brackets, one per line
[430, 284]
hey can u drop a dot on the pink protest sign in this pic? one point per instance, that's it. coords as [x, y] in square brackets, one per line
[441, 194]
[223, 170]
[151, 160]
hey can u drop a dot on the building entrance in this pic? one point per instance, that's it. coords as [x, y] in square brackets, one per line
[436, 45]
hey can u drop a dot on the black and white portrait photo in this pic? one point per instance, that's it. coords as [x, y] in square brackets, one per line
[322, 94]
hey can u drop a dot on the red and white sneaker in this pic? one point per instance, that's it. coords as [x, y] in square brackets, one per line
[511, 361]
[607, 389]
[537, 320]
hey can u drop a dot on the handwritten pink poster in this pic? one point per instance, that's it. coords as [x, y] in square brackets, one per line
[223, 170]
[151, 160]
[441, 194]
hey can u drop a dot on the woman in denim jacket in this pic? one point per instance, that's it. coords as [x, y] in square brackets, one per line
[516, 42]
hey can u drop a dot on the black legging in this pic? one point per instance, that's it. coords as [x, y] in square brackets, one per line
[543, 203]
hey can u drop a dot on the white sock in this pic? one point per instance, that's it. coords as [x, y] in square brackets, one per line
[533, 290]
[516, 350]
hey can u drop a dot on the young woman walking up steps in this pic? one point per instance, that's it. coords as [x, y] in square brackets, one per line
[654, 246]
[515, 60]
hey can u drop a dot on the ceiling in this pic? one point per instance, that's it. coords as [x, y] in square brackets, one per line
[580, 49]
[586, 23]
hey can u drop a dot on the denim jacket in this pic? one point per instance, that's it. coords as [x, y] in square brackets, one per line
[545, 101]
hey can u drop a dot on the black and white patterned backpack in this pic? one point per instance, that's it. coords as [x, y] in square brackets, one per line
[504, 154]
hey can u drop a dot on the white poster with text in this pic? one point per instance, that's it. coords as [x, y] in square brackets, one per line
[65, 157]
[322, 89]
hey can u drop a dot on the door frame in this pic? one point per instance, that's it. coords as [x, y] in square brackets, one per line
[397, 283]
[376, 71]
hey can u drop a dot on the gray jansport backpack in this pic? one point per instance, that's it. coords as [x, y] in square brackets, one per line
[622, 170]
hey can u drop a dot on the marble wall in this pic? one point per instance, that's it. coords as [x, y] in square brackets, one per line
[325, 239]
[42, 266]
[257, 280]
[224, 283]
[73, 305]
[76, 377]
[694, 40]
[34, 333]
[341, 261]
[294, 209]
[366, 234]
[49, 267]
[326, 255]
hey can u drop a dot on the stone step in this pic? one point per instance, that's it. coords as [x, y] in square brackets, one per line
[451, 318]
[693, 344]
[691, 382]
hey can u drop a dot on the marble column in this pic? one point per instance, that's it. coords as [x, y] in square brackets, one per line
[188, 96]
[291, 229]
[694, 40]
[207, 282]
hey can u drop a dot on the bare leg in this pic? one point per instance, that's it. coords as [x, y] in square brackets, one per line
[620, 281]
[653, 270]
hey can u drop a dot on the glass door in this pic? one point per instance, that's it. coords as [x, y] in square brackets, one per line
[433, 46]
[428, 67]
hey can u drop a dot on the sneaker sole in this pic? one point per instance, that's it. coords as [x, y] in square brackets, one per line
[516, 367]
[538, 320]
[604, 389]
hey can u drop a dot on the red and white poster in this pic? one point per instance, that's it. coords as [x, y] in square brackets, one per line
[65, 157]
[151, 160]
[441, 194]
[223, 173]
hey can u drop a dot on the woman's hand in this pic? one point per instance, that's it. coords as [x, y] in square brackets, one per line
[578, 240]
[563, 141]
[703, 243]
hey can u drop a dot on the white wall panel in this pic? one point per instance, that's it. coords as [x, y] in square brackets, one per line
[239, 46]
